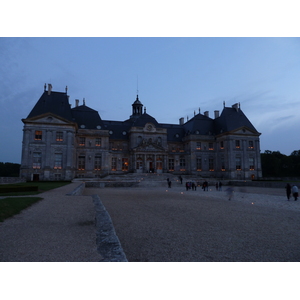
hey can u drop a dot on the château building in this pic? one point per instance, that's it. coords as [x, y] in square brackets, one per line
[62, 143]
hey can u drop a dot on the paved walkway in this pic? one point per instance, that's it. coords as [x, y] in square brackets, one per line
[59, 228]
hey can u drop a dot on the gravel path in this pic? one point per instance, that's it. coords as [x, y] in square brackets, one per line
[59, 228]
[160, 225]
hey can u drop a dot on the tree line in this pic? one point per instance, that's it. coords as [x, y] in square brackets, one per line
[276, 164]
[9, 169]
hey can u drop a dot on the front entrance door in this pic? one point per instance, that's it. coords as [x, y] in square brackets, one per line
[36, 177]
[150, 167]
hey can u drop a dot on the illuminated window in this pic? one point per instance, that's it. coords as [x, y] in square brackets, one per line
[81, 162]
[159, 162]
[199, 164]
[171, 164]
[237, 144]
[97, 162]
[98, 142]
[38, 135]
[198, 146]
[223, 163]
[125, 164]
[211, 146]
[182, 164]
[238, 163]
[251, 145]
[59, 136]
[114, 164]
[57, 161]
[211, 164]
[37, 160]
[82, 141]
[222, 144]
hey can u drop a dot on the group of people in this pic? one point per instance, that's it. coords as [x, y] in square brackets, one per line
[191, 185]
[291, 190]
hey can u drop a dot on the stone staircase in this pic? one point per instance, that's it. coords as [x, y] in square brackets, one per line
[143, 180]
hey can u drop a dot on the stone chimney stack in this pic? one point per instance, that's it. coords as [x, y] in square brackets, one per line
[206, 113]
[217, 114]
[236, 106]
[181, 121]
[76, 102]
[49, 88]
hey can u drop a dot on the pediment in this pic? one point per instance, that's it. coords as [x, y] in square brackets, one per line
[48, 118]
[244, 131]
[149, 147]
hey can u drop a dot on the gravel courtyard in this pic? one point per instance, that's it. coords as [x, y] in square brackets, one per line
[173, 225]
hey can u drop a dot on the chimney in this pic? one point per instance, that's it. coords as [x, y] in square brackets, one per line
[49, 88]
[217, 114]
[76, 102]
[181, 121]
[206, 113]
[236, 106]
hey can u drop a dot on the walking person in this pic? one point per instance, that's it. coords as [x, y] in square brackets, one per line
[230, 193]
[193, 186]
[220, 186]
[187, 186]
[295, 192]
[288, 191]
[217, 186]
[180, 178]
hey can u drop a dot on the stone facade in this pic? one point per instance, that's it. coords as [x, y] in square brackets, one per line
[62, 143]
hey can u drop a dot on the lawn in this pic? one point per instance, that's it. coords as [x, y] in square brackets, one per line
[13, 205]
[42, 186]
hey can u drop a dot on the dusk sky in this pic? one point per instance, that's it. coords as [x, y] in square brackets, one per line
[174, 77]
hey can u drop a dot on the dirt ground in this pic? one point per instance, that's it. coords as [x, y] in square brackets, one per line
[174, 225]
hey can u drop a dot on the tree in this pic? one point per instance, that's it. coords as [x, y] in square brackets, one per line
[9, 169]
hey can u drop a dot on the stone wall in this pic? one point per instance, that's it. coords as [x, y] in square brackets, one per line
[9, 180]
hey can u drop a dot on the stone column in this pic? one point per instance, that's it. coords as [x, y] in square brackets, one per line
[48, 153]
[25, 148]
[70, 149]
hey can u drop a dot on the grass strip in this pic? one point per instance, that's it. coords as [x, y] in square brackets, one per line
[14, 205]
[43, 186]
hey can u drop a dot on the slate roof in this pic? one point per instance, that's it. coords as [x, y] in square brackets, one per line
[87, 117]
[117, 130]
[56, 103]
[175, 133]
[199, 124]
[143, 119]
[231, 119]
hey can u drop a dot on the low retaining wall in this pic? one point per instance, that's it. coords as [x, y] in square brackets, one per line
[269, 184]
[102, 184]
[108, 244]
[78, 190]
[8, 180]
